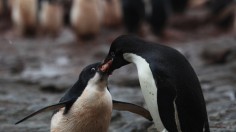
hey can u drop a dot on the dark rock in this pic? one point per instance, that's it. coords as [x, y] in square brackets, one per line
[216, 56]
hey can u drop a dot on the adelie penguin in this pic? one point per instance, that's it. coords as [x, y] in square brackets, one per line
[87, 106]
[86, 17]
[5, 6]
[168, 82]
[24, 16]
[133, 14]
[158, 15]
[30, 15]
[51, 17]
[112, 14]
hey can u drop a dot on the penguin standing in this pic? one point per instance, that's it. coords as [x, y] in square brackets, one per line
[159, 15]
[24, 16]
[168, 82]
[133, 14]
[87, 106]
[86, 17]
[5, 14]
[5, 7]
[67, 4]
[51, 17]
[112, 13]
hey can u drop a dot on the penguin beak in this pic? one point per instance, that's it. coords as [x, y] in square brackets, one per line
[106, 66]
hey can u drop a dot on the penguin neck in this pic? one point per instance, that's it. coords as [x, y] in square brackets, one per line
[97, 83]
[148, 86]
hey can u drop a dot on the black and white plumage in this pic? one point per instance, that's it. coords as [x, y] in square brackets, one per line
[133, 14]
[168, 82]
[87, 106]
[159, 15]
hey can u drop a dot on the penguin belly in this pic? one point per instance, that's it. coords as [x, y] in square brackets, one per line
[90, 113]
[148, 87]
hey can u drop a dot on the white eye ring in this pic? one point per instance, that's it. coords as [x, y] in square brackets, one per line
[93, 69]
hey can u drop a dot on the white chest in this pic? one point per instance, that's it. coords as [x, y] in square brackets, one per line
[90, 113]
[148, 87]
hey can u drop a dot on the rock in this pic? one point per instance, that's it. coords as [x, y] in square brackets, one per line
[216, 56]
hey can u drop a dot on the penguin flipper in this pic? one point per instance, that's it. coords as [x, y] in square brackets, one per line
[124, 106]
[45, 109]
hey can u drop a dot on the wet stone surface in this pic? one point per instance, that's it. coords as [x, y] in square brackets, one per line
[35, 73]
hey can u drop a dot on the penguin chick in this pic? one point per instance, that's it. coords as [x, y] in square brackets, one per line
[91, 111]
[86, 17]
[51, 17]
[112, 16]
[87, 106]
[24, 16]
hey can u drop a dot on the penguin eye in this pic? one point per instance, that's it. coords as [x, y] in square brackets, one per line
[93, 69]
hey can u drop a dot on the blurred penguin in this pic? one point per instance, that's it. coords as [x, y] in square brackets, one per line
[112, 13]
[51, 17]
[24, 16]
[66, 11]
[5, 14]
[222, 12]
[5, 7]
[179, 6]
[158, 15]
[133, 14]
[86, 17]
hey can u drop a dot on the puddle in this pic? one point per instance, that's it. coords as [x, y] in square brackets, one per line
[62, 61]
[44, 71]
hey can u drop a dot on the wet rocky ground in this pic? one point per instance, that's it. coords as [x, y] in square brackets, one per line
[35, 72]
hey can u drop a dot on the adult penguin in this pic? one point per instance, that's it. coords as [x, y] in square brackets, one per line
[168, 82]
[86, 18]
[158, 15]
[51, 10]
[133, 14]
[87, 106]
[24, 16]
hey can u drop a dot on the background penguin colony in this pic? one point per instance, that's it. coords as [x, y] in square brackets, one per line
[88, 17]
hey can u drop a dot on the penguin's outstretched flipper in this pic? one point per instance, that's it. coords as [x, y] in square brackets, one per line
[46, 109]
[123, 106]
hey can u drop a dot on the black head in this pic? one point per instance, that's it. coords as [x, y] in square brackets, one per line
[85, 76]
[121, 45]
[89, 72]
